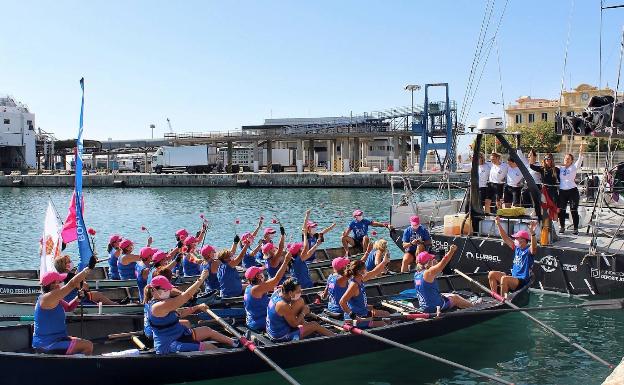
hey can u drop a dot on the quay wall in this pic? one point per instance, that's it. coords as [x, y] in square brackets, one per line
[308, 179]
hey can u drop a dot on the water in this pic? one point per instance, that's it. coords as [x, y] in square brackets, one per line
[509, 346]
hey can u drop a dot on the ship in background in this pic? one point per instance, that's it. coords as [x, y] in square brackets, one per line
[17, 136]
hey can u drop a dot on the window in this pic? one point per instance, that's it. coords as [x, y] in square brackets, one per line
[544, 116]
[7, 121]
[370, 148]
[531, 118]
[29, 122]
[518, 118]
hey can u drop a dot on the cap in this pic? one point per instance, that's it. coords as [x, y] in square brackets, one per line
[340, 263]
[161, 282]
[147, 252]
[269, 230]
[114, 238]
[295, 248]
[52, 276]
[189, 240]
[253, 271]
[415, 220]
[158, 256]
[357, 213]
[182, 233]
[206, 250]
[267, 248]
[311, 224]
[522, 234]
[424, 257]
[125, 243]
[246, 236]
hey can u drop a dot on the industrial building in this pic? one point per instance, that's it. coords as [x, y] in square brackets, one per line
[17, 136]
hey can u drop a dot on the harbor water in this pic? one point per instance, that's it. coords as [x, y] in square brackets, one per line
[509, 346]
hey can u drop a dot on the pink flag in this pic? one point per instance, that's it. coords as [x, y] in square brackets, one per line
[69, 228]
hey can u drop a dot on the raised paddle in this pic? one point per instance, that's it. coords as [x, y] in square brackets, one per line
[540, 323]
[352, 329]
[251, 347]
[610, 304]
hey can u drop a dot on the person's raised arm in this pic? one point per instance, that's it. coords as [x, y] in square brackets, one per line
[378, 269]
[306, 217]
[328, 229]
[129, 258]
[506, 238]
[532, 228]
[256, 249]
[436, 269]
[162, 308]
[255, 232]
[234, 244]
[309, 253]
[280, 247]
[270, 284]
[202, 232]
[52, 298]
[239, 258]
[579, 160]
[380, 224]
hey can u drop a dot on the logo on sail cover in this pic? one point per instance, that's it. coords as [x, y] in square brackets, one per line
[549, 263]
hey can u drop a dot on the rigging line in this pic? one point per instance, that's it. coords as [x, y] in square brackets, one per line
[500, 81]
[500, 22]
[615, 97]
[600, 47]
[565, 63]
[480, 40]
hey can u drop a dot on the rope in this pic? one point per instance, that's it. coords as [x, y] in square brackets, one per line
[565, 64]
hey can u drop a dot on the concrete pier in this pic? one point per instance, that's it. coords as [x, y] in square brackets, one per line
[285, 179]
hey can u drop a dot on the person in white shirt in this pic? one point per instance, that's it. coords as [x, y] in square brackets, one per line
[537, 176]
[515, 182]
[496, 182]
[568, 192]
[484, 176]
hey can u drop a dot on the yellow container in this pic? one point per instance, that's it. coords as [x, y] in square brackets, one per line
[453, 224]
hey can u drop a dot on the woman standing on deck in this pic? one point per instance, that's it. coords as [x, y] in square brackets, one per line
[50, 332]
[354, 303]
[496, 182]
[164, 312]
[568, 192]
[427, 290]
[286, 312]
[256, 298]
[113, 256]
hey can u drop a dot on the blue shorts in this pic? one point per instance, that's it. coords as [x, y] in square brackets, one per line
[294, 335]
[63, 346]
[446, 304]
[186, 343]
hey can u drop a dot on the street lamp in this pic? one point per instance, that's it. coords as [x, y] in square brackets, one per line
[412, 88]
[152, 126]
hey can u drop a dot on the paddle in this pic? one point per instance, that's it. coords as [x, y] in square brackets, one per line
[350, 328]
[540, 323]
[252, 347]
[614, 304]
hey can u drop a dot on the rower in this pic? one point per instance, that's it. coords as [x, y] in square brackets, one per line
[359, 225]
[524, 256]
[427, 290]
[50, 331]
[354, 302]
[180, 236]
[143, 269]
[63, 265]
[272, 255]
[416, 238]
[286, 312]
[190, 263]
[249, 259]
[309, 229]
[162, 264]
[267, 237]
[337, 284]
[113, 255]
[229, 279]
[376, 254]
[301, 254]
[127, 261]
[164, 312]
[256, 298]
[212, 266]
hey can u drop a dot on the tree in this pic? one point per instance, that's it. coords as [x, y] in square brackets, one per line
[540, 137]
[592, 144]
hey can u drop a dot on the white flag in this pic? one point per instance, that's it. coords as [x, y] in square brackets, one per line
[50, 246]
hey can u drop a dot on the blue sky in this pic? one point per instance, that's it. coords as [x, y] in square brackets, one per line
[211, 65]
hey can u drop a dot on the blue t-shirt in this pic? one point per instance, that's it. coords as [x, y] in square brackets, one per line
[420, 234]
[522, 263]
[360, 229]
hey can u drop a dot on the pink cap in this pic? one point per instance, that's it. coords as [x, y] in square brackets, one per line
[311, 224]
[52, 276]
[125, 243]
[269, 230]
[182, 233]
[522, 234]
[267, 248]
[358, 212]
[190, 240]
[247, 237]
[253, 271]
[114, 238]
[158, 256]
[424, 257]
[295, 248]
[147, 252]
[340, 263]
[415, 220]
[206, 250]
[161, 282]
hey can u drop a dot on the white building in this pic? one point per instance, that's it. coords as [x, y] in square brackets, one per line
[17, 136]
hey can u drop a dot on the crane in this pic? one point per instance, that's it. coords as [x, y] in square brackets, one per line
[169, 124]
